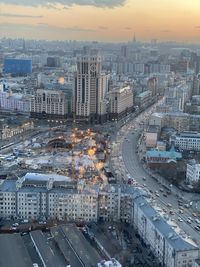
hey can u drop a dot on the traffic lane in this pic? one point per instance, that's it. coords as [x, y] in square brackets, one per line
[131, 161]
[135, 169]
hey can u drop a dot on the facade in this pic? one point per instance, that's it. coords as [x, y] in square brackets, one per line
[143, 99]
[37, 196]
[9, 101]
[151, 136]
[49, 104]
[17, 66]
[52, 196]
[90, 86]
[120, 102]
[187, 141]
[155, 156]
[170, 249]
[9, 130]
[177, 120]
[193, 172]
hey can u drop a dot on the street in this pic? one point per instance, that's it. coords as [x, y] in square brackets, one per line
[170, 201]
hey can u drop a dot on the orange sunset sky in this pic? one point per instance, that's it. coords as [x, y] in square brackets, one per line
[101, 20]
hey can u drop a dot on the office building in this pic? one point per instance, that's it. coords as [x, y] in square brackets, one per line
[49, 104]
[120, 102]
[90, 86]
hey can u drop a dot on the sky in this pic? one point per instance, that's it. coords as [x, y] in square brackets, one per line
[101, 20]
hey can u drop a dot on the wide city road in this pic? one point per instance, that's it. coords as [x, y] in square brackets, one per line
[125, 163]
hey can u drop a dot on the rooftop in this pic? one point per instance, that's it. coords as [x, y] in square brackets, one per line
[175, 240]
[164, 154]
[13, 251]
[145, 93]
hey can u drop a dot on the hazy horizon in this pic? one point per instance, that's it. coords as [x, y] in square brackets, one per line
[107, 21]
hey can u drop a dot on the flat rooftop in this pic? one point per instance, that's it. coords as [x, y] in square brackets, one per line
[80, 245]
[13, 252]
[49, 258]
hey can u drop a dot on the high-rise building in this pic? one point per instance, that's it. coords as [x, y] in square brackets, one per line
[90, 86]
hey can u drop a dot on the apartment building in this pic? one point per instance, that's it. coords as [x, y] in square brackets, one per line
[49, 104]
[177, 120]
[187, 141]
[48, 196]
[170, 249]
[193, 172]
[120, 102]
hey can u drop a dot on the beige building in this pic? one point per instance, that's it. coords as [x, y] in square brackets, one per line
[49, 104]
[120, 102]
[90, 86]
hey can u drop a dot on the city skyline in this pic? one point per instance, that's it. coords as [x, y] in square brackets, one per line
[101, 20]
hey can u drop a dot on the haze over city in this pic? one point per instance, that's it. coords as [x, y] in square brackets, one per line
[115, 20]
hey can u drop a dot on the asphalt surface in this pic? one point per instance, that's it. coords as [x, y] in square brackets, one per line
[81, 246]
[64, 246]
[13, 252]
[49, 258]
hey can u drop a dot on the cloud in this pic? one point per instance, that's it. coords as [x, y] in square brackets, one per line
[20, 15]
[97, 3]
[197, 27]
[103, 28]
[47, 26]
[165, 31]
[127, 28]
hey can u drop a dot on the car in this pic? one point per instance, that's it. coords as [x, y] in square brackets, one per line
[161, 190]
[157, 194]
[197, 228]
[180, 220]
[144, 178]
[164, 195]
[188, 221]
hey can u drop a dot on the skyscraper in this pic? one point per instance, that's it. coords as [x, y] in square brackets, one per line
[90, 85]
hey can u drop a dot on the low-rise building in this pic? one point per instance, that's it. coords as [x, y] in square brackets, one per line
[186, 141]
[143, 99]
[151, 136]
[9, 129]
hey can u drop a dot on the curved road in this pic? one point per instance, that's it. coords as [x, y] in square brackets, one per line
[126, 164]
